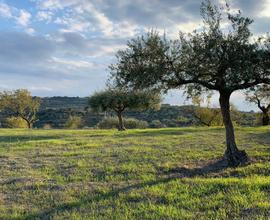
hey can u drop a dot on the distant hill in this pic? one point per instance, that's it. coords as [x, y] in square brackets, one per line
[55, 111]
[58, 102]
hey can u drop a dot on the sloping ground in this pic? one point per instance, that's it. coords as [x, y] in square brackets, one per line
[139, 174]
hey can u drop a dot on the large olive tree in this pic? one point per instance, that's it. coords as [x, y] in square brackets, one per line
[260, 95]
[118, 100]
[212, 59]
[20, 103]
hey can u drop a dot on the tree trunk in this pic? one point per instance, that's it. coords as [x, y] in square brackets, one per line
[265, 118]
[29, 124]
[233, 156]
[121, 123]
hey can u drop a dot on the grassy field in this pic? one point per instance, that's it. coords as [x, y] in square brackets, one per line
[138, 174]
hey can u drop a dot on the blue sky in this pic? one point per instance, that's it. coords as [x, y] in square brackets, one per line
[64, 47]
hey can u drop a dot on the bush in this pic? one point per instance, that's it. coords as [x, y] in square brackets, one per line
[130, 123]
[47, 126]
[15, 122]
[258, 120]
[156, 124]
[73, 122]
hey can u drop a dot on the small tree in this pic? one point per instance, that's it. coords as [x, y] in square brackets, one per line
[73, 122]
[20, 103]
[206, 115]
[209, 60]
[15, 122]
[118, 100]
[113, 122]
[260, 95]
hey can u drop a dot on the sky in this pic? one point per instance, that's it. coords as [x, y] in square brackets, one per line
[64, 47]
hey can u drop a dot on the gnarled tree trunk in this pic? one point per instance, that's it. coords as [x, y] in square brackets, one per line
[29, 124]
[121, 123]
[265, 118]
[233, 156]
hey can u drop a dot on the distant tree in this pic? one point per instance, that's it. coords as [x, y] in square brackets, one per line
[15, 122]
[206, 115]
[260, 95]
[118, 100]
[130, 123]
[73, 122]
[20, 103]
[156, 124]
[209, 60]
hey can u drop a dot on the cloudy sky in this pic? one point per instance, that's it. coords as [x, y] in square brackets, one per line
[63, 47]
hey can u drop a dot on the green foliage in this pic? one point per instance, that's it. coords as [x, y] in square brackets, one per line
[47, 126]
[169, 115]
[130, 123]
[209, 116]
[120, 100]
[74, 122]
[260, 95]
[15, 122]
[20, 103]
[137, 174]
[156, 124]
[212, 59]
[259, 119]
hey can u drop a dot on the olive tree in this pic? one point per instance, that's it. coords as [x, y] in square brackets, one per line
[260, 95]
[119, 100]
[21, 104]
[212, 59]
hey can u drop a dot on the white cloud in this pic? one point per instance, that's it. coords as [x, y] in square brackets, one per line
[30, 31]
[40, 88]
[187, 27]
[56, 4]
[44, 16]
[103, 22]
[20, 16]
[24, 18]
[72, 64]
[266, 9]
[5, 10]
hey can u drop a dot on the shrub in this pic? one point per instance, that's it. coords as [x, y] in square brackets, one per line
[156, 124]
[73, 122]
[130, 123]
[258, 120]
[15, 122]
[47, 126]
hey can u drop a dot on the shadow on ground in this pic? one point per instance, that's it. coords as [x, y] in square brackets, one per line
[178, 173]
[205, 169]
[24, 138]
[161, 132]
[261, 138]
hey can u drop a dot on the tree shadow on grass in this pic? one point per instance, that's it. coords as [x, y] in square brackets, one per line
[262, 138]
[24, 138]
[204, 169]
[157, 133]
[168, 176]
[169, 131]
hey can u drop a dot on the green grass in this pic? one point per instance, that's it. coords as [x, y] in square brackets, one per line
[138, 174]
